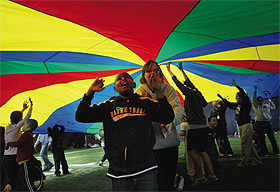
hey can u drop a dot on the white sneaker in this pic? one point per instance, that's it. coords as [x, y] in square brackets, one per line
[100, 163]
[213, 179]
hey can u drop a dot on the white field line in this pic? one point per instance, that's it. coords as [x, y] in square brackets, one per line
[94, 164]
[83, 165]
[71, 152]
[82, 150]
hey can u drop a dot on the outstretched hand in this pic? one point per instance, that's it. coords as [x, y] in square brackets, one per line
[168, 67]
[180, 65]
[31, 102]
[169, 70]
[234, 83]
[25, 105]
[97, 85]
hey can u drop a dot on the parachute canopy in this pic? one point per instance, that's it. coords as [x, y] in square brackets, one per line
[52, 51]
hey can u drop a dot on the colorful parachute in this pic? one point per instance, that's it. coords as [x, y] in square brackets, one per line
[52, 51]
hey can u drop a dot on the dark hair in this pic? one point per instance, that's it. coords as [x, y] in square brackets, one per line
[33, 124]
[112, 98]
[239, 94]
[147, 67]
[16, 116]
[209, 118]
[259, 97]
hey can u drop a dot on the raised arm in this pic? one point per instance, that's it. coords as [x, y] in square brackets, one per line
[62, 129]
[169, 70]
[24, 106]
[222, 105]
[182, 70]
[187, 79]
[97, 85]
[28, 115]
[176, 81]
[239, 88]
[254, 98]
[244, 95]
[86, 113]
[227, 103]
[271, 104]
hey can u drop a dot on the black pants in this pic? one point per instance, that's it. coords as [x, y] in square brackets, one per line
[262, 128]
[11, 167]
[167, 160]
[214, 156]
[26, 176]
[104, 156]
[59, 157]
[226, 150]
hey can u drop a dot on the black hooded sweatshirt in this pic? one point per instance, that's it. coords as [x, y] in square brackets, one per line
[128, 130]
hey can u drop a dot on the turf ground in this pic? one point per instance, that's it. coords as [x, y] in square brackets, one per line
[88, 176]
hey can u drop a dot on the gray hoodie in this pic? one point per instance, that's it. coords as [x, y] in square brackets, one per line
[172, 139]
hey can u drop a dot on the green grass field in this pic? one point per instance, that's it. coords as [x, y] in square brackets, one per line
[88, 176]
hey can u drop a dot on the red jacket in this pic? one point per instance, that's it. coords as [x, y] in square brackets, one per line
[25, 146]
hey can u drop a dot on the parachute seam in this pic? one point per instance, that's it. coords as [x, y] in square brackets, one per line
[48, 68]
[258, 57]
[48, 59]
[213, 37]
[175, 28]
[112, 37]
[219, 39]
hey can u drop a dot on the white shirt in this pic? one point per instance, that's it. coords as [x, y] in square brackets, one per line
[13, 132]
[262, 112]
[43, 138]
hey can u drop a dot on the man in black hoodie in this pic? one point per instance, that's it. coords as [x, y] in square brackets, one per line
[128, 131]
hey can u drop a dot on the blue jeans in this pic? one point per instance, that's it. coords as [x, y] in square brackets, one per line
[143, 182]
[44, 155]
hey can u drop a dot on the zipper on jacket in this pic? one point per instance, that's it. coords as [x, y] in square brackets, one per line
[125, 152]
[126, 139]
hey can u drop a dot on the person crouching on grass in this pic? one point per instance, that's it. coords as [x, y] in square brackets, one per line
[128, 132]
[25, 155]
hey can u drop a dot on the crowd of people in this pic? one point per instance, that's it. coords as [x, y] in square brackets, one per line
[139, 134]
